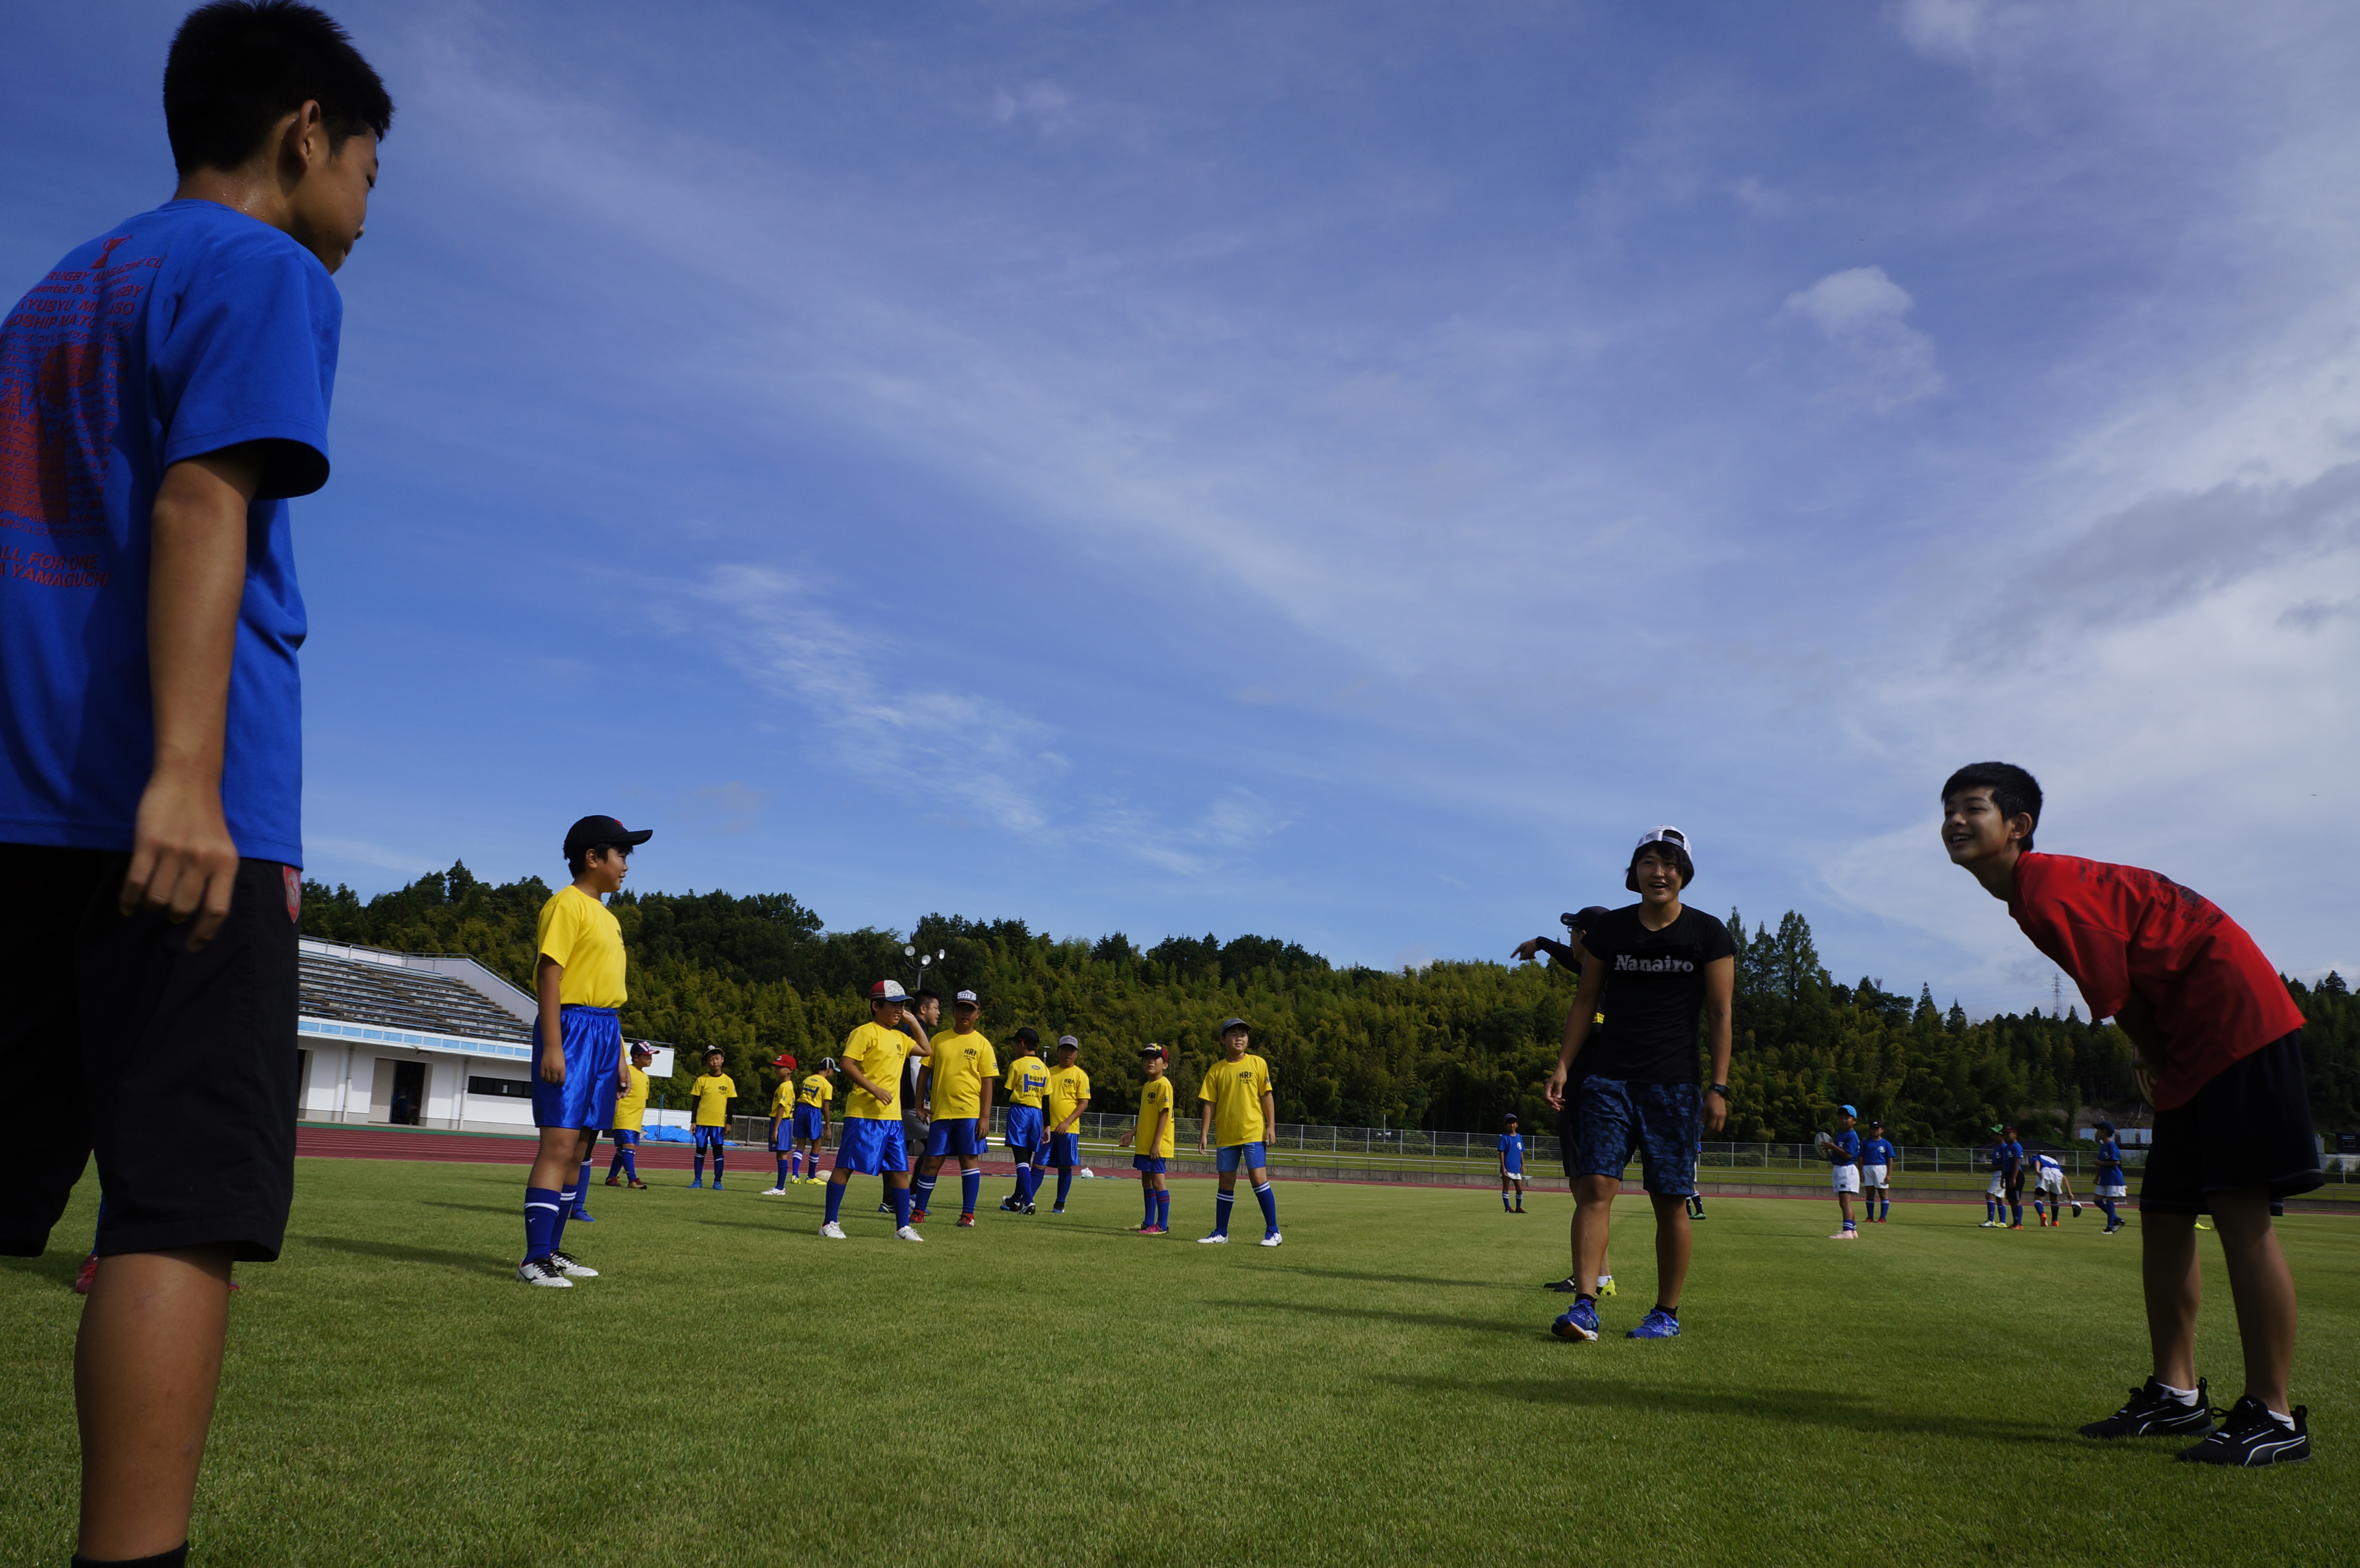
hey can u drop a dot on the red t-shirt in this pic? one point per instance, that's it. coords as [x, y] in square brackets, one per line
[2117, 929]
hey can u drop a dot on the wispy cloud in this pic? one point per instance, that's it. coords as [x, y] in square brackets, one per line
[1884, 361]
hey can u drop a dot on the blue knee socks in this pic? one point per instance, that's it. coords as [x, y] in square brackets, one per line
[1884, 1210]
[970, 1189]
[1221, 1212]
[540, 1223]
[901, 1206]
[2016, 1212]
[1163, 1209]
[699, 1158]
[1147, 1202]
[582, 1191]
[615, 1165]
[631, 1164]
[783, 1171]
[1269, 1201]
[1065, 1183]
[564, 1209]
[834, 1200]
[717, 1168]
[923, 1193]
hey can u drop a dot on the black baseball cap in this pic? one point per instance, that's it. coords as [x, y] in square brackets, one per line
[1583, 920]
[1028, 1035]
[1155, 1050]
[602, 833]
[1509, 1117]
[1229, 1024]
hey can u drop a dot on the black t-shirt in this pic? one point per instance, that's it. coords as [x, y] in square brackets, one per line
[1655, 990]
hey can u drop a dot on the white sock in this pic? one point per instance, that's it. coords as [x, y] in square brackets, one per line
[2286, 1422]
[1606, 1278]
[2185, 1396]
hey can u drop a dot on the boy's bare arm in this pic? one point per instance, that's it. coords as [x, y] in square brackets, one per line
[1269, 1115]
[183, 860]
[548, 974]
[1720, 986]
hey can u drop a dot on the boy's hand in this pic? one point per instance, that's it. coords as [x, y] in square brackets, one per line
[553, 1065]
[1555, 1093]
[183, 861]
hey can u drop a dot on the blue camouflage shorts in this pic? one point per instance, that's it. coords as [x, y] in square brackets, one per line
[1658, 1119]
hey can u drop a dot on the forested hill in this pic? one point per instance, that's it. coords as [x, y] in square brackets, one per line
[1449, 1046]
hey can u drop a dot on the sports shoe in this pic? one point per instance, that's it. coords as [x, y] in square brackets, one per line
[966, 1222]
[582, 1216]
[85, 1274]
[884, 1208]
[1058, 1209]
[917, 1216]
[613, 1180]
[2017, 1225]
[573, 1266]
[2253, 1436]
[1271, 1239]
[1025, 1210]
[1218, 1238]
[1577, 1323]
[1007, 1205]
[636, 1182]
[2151, 1412]
[833, 1232]
[1155, 1230]
[539, 1272]
[699, 1181]
[1657, 1325]
[1568, 1286]
[1845, 1236]
[1605, 1286]
[908, 1232]
[771, 1193]
[1988, 1224]
[717, 1183]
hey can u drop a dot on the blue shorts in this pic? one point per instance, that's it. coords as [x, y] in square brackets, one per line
[1230, 1156]
[871, 1146]
[1151, 1163]
[1063, 1151]
[1023, 1127]
[782, 1135]
[1658, 1119]
[625, 1138]
[808, 1127]
[951, 1135]
[593, 1038]
[710, 1137]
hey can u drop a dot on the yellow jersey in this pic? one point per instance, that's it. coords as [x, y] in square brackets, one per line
[1234, 1090]
[1068, 1087]
[712, 1095]
[581, 937]
[782, 1100]
[879, 1053]
[1155, 1105]
[962, 1064]
[1027, 1080]
[817, 1090]
[631, 1104]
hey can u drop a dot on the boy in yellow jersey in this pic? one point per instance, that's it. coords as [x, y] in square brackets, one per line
[783, 1125]
[956, 1082]
[1069, 1096]
[578, 983]
[712, 1090]
[1151, 1141]
[811, 1116]
[1027, 1081]
[873, 1145]
[630, 1114]
[1242, 1111]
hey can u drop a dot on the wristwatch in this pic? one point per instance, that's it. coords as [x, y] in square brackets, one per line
[1720, 1089]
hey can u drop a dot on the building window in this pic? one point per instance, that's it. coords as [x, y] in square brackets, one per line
[505, 1088]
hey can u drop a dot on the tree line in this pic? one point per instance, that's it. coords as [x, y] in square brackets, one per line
[1450, 1047]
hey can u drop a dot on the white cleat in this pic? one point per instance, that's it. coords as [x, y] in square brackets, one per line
[772, 1193]
[533, 1271]
[1215, 1239]
[1845, 1236]
[833, 1232]
[1273, 1240]
[568, 1265]
[908, 1232]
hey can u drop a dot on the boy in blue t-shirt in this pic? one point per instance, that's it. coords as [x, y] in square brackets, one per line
[1843, 1149]
[1512, 1165]
[2110, 1187]
[163, 391]
[1876, 1160]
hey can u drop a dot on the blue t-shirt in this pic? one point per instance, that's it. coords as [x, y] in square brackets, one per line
[1877, 1151]
[1511, 1149]
[1848, 1141]
[2049, 1162]
[2110, 1162]
[177, 333]
[2008, 1157]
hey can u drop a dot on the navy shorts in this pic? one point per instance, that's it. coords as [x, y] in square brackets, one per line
[1230, 1157]
[593, 1039]
[625, 1138]
[871, 1146]
[1023, 1127]
[808, 1125]
[710, 1137]
[1658, 1119]
[2248, 1126]
[951, 1135]
[1064, 1150]
[1153, 1164]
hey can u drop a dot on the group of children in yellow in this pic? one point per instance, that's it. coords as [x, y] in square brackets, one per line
[587, 1082]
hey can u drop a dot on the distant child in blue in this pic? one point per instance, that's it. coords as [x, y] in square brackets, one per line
[2111, 1188]
[1512, 1165]
[1845, 1147]
[2009, 1157]
[2058, 1190]
[1877, 1158]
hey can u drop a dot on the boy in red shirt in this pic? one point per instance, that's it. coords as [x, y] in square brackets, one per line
[2220, 1053]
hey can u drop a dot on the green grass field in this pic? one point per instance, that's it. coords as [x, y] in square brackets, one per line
[1380, 1389]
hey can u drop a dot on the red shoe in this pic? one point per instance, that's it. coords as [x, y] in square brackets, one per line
[636, 1182]
[88, 1272]
[613, 1180]
[966, 1222]
[917, 1216]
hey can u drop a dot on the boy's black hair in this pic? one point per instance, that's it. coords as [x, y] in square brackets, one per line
[579, 861]
[2013, 790]
[921, 996]
[235, 66]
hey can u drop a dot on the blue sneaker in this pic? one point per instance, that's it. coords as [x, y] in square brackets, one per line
[1657, 1325]
[582, 1216]
[698, 1183]
[1580, 1323]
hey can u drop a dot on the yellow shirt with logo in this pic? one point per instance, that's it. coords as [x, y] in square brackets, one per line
[581, 936]
[962, 1064]
[1027, 1081]
[631, 1104]
[1234, 1090]
[782, 1100]
[879, 1053]
[1154, 1102]
[712, 1094]
[817, 1090]
[1068, 1087]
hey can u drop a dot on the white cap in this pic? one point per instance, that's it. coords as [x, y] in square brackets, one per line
[968, 998]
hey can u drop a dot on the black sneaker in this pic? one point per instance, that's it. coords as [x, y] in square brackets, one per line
[1025, 1210]
[2251, 1435]
[1007, 1205]
[2151, 1412]
[1568, 1286]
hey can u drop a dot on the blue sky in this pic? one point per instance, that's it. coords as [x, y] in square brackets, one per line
[1337, 472]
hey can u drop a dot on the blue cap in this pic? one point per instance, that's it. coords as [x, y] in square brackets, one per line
[1851, 1112]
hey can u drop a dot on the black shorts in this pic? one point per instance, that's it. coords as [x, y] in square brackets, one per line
[178, 1069]
[2248, 1126]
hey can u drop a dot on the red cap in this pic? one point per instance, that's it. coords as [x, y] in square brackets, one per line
[783, 1061]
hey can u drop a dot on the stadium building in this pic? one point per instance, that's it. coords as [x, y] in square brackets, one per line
[414, 1039]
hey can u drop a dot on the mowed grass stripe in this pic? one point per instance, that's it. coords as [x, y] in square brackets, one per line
[1054, 1391]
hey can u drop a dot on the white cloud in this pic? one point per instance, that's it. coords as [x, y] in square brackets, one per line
[1887, 362]
[1044, 105]
[1952, 30]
